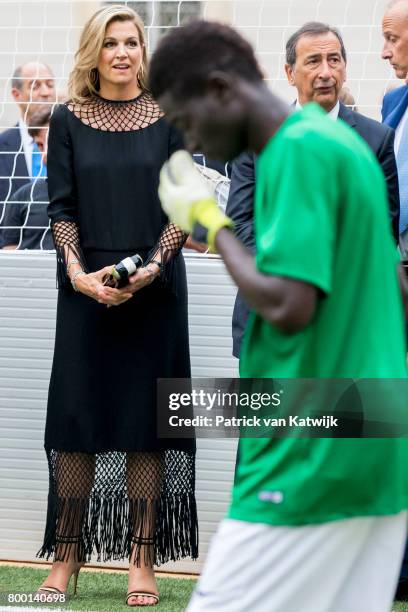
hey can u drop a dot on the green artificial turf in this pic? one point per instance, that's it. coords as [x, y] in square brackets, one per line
[97, 591]
[103, 592]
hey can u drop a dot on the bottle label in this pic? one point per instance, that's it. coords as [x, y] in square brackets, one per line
[129, 265]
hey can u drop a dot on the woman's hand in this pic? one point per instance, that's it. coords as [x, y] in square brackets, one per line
[143, 277]
[91, 285]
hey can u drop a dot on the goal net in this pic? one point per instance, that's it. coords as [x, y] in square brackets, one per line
[48, 32]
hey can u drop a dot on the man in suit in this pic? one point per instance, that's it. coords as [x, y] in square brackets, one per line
[32, 85]
[316, 66]
[395, 104]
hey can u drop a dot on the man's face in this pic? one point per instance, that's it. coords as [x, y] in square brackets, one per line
[319, 71]
[210, 125]
[37, 87]
[395, 32]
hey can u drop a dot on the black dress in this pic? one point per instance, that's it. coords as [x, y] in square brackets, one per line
[113, 483]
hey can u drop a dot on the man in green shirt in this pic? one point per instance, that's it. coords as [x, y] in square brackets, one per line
[315, 524]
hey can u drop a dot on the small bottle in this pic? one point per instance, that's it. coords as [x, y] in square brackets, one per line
[119, 275]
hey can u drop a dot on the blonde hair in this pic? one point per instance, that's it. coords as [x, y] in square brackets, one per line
[84, 78]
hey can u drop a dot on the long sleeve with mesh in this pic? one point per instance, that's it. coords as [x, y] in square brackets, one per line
[172, 238]
[63, 207]
[169, 244]
[67, 247]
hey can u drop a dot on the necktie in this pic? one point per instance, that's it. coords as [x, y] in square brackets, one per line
[402, 163]
[37, 167]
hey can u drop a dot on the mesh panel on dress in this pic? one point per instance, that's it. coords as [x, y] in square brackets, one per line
[117, 116]
[65, 233]
[138, 505]
[67, 247]
[170, 243]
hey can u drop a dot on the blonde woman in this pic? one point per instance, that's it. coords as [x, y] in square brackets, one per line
[115, 489]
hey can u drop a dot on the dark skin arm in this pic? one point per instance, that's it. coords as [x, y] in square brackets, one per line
[286, 303]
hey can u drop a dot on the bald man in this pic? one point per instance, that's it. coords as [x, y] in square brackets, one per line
[32, 85]
[395, 104]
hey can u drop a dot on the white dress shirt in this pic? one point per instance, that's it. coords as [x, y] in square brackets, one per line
[334, 113]
[399, 130]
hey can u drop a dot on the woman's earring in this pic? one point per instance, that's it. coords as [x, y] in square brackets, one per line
[93, 76]
[140, 74]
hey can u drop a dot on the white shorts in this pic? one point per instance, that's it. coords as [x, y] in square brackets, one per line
[342, 566]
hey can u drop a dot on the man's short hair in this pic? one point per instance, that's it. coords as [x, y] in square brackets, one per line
[186, 56]
[38, 120]
[312, 28]
[17, 80]
[394, 2]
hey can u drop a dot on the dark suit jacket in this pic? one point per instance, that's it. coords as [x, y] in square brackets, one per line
[12, 164]
[380, 139]
[29, 208]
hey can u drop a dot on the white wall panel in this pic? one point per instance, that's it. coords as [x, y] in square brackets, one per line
[27, 326]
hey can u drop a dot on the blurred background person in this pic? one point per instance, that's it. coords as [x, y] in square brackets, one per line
[27, 207]
[32, 84]
[115, 488]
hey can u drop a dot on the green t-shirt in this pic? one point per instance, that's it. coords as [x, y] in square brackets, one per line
[321, 217]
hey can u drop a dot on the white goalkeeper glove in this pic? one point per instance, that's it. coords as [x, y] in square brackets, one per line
[188, 201]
